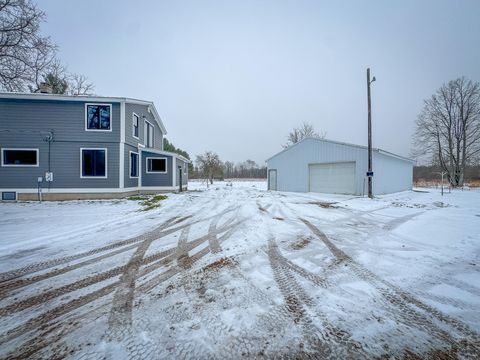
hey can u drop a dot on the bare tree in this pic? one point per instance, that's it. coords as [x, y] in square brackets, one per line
[79, 85]
[448, 128]
[24, 53]
[209, 165]
[306, 130]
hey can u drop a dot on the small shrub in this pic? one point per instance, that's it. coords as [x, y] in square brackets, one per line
[148, 202]
[138, 198]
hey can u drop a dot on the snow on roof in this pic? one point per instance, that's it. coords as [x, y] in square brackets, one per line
[384, 152]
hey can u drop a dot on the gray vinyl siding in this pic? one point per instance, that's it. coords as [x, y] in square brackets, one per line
[157, 179]
[27, 122]
[66, 118]
[65, 165]
[143, 114]
[184, 165]
[130, 182]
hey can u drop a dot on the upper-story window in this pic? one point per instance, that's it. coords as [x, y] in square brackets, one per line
[148, 134]
[98, 117]
[135, 125]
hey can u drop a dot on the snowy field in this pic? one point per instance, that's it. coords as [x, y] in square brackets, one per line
[236, 271]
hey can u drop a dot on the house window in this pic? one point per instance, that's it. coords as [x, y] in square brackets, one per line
[148, 134]
[135, 126]
[133, 164]
[98, 117]
[19, 157]
[156, 165]
[93, 162]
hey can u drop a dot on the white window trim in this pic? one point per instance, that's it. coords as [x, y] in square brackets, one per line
[133, 126]
[156, 172]
[28, 149]
[145, 134]
[130, 164]
[106, 164]
[86, 117]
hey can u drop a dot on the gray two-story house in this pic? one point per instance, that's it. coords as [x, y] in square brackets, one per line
[79, 147]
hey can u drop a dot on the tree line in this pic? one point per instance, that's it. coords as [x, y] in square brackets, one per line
[432, 174]
[209, 166]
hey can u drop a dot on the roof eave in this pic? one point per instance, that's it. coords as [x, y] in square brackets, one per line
[163, 152]
[387, 153]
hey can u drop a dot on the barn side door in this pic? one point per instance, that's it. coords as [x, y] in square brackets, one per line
[272, 179]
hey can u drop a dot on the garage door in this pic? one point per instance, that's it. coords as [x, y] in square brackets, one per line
[332, 178]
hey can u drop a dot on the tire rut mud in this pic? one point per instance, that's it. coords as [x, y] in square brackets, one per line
[54, 332]
[119, 331]
[122, 303]
[20, 283]
[33, 268]
[186, 262]
[42, 320]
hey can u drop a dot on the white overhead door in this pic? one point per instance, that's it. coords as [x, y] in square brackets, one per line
[332, 178]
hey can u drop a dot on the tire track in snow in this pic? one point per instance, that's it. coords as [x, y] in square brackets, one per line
[82, 300]
[20, 283]
[56, 312]
[329, 343]
[122, 303]
[182, 248]
[92, 280]
[403, 301]
[187, 262]
[54, 332]
[120, 332]
[29, 269]
[392, 224]
[63, 309]
[213, 240]
[77, 285]
[151, 236]
[159, 232]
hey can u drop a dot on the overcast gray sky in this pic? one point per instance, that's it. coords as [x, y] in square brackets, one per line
[236, 76]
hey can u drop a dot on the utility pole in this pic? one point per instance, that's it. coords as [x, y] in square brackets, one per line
[370, 172]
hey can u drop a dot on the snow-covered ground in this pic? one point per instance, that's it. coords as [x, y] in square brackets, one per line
[236, 271]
